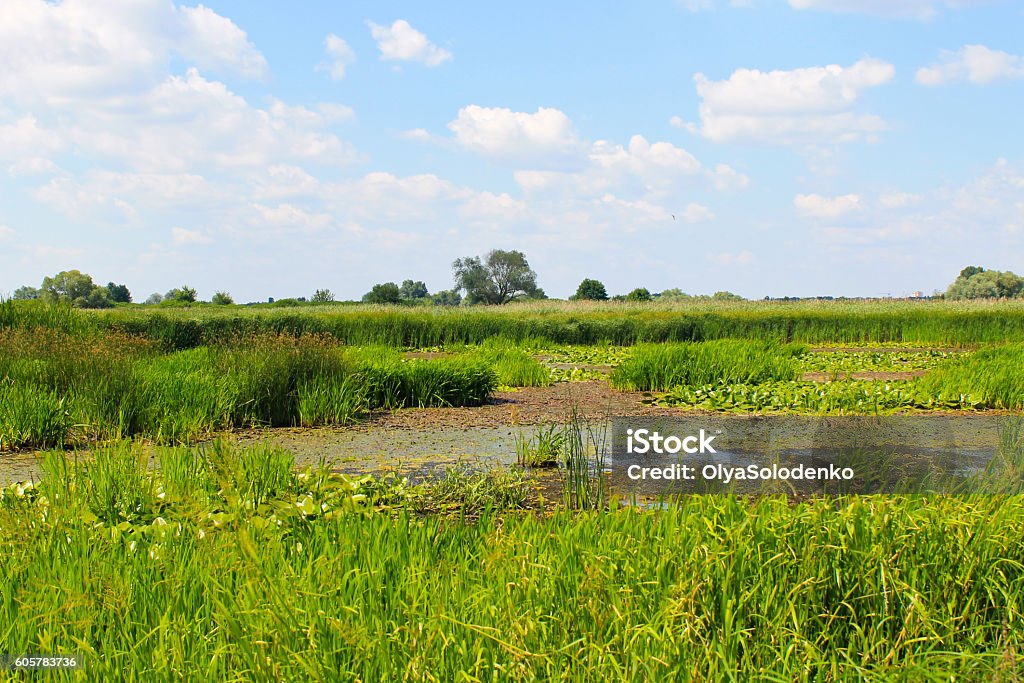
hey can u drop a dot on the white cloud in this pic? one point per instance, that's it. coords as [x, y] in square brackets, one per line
[78, 50]
[727, 259]
[808, 104]
[285, 218]
[182, 237]
[916, 9]
[6, 233]
[642, 168]
[491, 211]
[213, 42]
[826, 208]
[695, 213]
[26, 137]
[416, 135]
[189, 120]
[341, 55]
[975, 220]
[401, 42]
[972, 63]
[726, 177]
[547, 134]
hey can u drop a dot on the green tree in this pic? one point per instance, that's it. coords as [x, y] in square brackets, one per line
[592, 290]
[639, 294]
[674, 294]
[975, 282]
[98, 297]
[447, 297]
[323, 296]
[413, 291]
[154, 298]
[25, 293]
[76, 288]
[384, 293]
[119, 294]
[726, 296]
[183, 294]
[222, 299]
[498, 278]
[67, 285]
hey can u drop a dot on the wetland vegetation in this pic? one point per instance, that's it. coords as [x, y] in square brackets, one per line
[166, 558]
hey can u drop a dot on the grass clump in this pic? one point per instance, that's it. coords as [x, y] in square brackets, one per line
[513, 366]
[659, 367]
[992, 377]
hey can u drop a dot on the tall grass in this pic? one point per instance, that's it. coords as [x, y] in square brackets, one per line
[513, 366]
[659, 367]
[269, 574]
[991, 377]
[923, 322]
[56, 388]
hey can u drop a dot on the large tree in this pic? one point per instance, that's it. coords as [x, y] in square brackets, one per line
[183, 294]
[498, 278]
[67, 285]
[591, 289]
[384, 293]
[413, 290]
[76, 288]
[977, 283]
[119, 294]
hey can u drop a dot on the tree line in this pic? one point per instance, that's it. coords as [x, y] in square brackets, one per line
[496, 278]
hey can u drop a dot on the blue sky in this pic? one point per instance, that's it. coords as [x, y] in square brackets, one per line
[768, 147]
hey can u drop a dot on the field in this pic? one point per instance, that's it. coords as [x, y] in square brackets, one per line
[155, 547]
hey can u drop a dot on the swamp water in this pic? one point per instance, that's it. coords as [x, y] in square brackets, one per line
[891, 450]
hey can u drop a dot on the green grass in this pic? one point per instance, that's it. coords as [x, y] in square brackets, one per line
[227, 565]
[846, 322]
[56, 388]
[513, 366]
[658, 367]
[993, 377]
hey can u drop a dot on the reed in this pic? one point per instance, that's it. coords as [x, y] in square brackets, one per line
[272, 574]
[659, 367]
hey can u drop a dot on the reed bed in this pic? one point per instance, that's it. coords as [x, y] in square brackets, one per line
[227, 565]
[56, 388]
[659, 367]
[934, 323]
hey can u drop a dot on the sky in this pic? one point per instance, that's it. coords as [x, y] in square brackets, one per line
[267, 149]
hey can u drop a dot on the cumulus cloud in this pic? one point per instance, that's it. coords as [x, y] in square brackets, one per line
[826, 208]
[547, 134]
[77, 50]
[972, 63]
[341, 56]
[402, 43]
[811, 104]
[213, 42]
[189, 120]
[915, 9]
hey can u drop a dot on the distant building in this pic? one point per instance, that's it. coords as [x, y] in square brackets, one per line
[917, 295]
